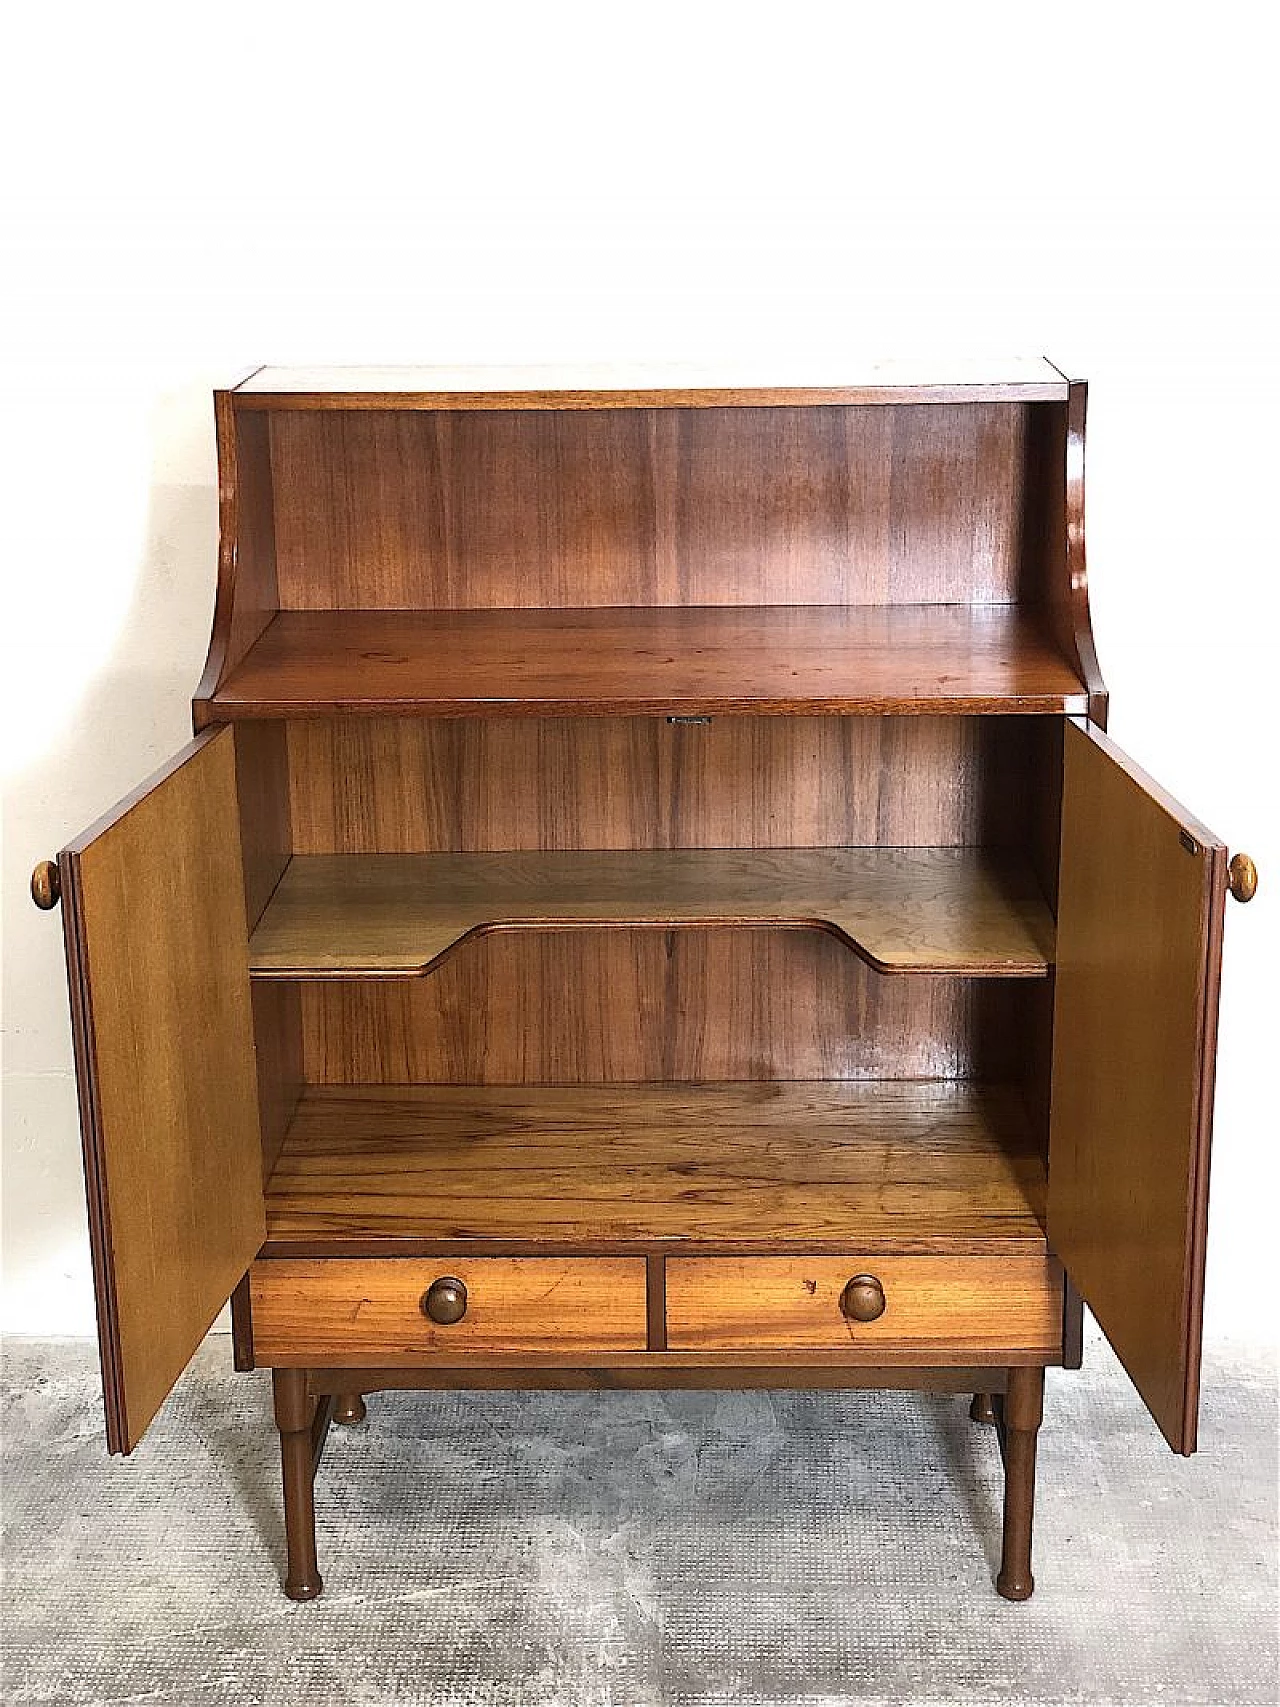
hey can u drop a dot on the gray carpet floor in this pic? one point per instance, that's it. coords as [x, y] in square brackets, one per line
[622, 1550]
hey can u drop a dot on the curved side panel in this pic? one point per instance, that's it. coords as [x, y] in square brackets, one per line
[1068, 601]
[248, 597]
[1077, 571]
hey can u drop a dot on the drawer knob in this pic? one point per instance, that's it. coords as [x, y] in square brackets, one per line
[863, 1298]
[1242, 877]
[46, 884]
[445, 1301]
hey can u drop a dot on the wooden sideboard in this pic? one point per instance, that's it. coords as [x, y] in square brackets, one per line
[650, 902]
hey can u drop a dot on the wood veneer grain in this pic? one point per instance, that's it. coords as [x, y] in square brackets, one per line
[441, 785]
[409, 510]
[897, 1166]
[155, 914]
[965, 1304]
[687, 661]
[335, 1312]
[619, 1006]
[1140, 919]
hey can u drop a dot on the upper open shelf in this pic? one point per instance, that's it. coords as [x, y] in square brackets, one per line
[955, 911]
[665, 660]
[451, 543]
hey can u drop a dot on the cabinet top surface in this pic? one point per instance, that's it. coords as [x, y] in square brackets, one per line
[1015, 379]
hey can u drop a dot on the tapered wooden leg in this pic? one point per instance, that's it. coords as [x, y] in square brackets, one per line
[294, 1416]
[1023, 1409]
[983, 1409]
[348, 1408]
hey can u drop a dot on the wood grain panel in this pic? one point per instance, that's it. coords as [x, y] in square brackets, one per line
[1139, 932]
[969, 1306]
[411, 511]
[624, 386]
[628, 1006]
[154, 913]
[340, 1312]
[407, 510]
[844, 506]
[947, 911]
[435, 785]
[912, 660]
[901, 1166]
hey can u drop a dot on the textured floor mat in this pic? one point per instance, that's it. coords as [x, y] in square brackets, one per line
[629, 1549]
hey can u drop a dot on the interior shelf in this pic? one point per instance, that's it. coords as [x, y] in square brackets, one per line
[677, 660]
[911, 1167]
[956, 911]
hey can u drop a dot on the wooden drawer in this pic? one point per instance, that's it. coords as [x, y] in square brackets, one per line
[950, 1309]
[345, 1314]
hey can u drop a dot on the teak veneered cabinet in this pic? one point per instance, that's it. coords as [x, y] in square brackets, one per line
[649, 903]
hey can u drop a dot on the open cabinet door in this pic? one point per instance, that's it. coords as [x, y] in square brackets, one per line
[157, 961]
[1142, 888]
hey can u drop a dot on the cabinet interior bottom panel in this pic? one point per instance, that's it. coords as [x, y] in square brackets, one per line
[882, 1166]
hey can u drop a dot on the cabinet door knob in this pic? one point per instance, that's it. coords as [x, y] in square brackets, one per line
[46, 884]
[445, 1301]
[863, 1298]
[1242, 877]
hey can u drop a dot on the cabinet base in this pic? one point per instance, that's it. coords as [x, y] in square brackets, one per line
[306, 1401]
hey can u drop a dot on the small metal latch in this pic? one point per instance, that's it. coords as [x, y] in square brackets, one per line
[698, 720]
[1188, 841]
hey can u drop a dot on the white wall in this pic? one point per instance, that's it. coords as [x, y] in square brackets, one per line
[195, 190]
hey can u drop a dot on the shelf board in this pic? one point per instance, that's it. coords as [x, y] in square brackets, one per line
[954, 911]
[660, 660]
[911, 1167]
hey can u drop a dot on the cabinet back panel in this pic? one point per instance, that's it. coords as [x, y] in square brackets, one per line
[629, 1006]
[907, 504]
[404, 785]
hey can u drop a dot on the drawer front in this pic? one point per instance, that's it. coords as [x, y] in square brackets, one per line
[953, 1309]
[347, 1314]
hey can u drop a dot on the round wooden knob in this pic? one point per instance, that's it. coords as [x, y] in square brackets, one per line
[445, 1301]
[863, 1298]
[1242, 877]
[46, 885]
